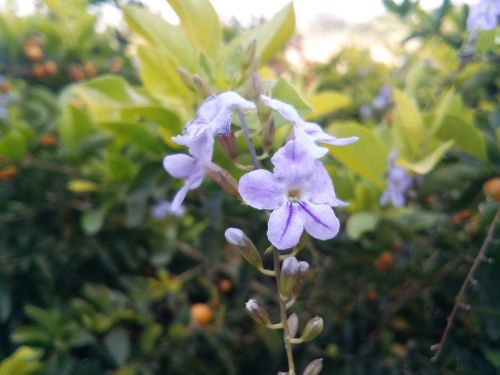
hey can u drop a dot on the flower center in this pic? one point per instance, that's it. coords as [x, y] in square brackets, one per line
[294, 195]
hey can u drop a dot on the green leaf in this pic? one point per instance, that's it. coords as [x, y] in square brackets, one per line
[408, 125]
[162, 37]
[271, 35]
[465, 136]
[325, 102]
[367, 157]
[92, 221]
[118, 345]
[159, 75]
[284, 91]
[24, 361]
[138, 135]
[361, 223]
[442, 108]
[5, 301]
[201, 24]
[425, 165]
[30, 335]
[74, 126]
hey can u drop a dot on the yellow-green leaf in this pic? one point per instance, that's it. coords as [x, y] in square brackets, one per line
[408, 125]
[325, 102]
[82, 186]
[367, 157]
[201, 23]
[465, 136]
[285, 92]
[426, 164]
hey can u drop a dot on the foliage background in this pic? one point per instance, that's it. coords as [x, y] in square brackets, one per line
[92, 283]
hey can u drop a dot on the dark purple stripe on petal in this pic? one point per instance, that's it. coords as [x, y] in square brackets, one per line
[314, 217]
[288, 220]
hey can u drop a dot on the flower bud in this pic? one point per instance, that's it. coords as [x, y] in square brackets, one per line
[186, 77]
[202, 86]
[293, 324]
[288, 276]
[228, 144]
[222, 178]
[250, 56]
[267, 135]
[257, 312]
[312, 329]
[237, 238]
[314, 368]
[302, 271]
[253, 88]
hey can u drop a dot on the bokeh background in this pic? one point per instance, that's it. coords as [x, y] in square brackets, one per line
[96, 277]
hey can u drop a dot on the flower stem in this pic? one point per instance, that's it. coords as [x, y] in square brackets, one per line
[246, 132]
[284, 320]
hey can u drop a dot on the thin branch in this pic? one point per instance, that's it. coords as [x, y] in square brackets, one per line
[64, 169]
[248, 137]
[284, 320]
[459, 300]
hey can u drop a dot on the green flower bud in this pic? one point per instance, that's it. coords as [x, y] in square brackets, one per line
[257, 312]
[312, 329]
[248, 250]
[288, 276]
[267, 134]
[202, 86]
[187, 78]
[222, 178]
[314, 368]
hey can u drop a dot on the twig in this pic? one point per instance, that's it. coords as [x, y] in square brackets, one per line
[248, 137]
[284, 319]
[64, 169]
[461, 294]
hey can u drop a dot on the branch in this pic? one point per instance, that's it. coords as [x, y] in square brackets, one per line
[461, 294]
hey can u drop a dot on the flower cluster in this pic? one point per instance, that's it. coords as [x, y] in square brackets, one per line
[299, 191]
[398, 183]
[213, 119]
[485, 15]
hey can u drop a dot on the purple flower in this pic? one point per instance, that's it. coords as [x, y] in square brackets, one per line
[307, 133]
[398, 182]
[383, 98]
[484, 15]
[163, 208]
[212, 118]
[190, 169]
[299, 192]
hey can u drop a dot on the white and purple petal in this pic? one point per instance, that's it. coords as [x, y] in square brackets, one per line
[260, 190]
[287, 111]
[319, 188]
[180, 165]
[319, 220]
[285, 226]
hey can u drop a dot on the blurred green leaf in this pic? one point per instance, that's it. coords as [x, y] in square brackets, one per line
[361, 223]
[426, 164]
[118, 345]
[465, 136]
[24, 361]
[408, 127]
[325, 102]
[285, 92]
[201, 24]
[138, 135]
[367, 157]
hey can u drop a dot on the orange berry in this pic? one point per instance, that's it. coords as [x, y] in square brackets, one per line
[460, 216]
[200, 313]
[372, 295]
[5, 87]
[51, 68]
[76, 72]
[33, 52]
[8, 173]
[491, 188]
[385, 261]
[48, 139]
[225, 285]
[89, 69]
[38, 71]
[116, 65]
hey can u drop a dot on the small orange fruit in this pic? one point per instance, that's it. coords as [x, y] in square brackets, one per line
[51, 68]
[200, 313]
[8, 173]
[48, 139]
[89, 69]
[461, 216]
[76, 72]
[372, 295]
[225, 285]
[38, 71]
[33, 52]
[385, 261]
[491, 188]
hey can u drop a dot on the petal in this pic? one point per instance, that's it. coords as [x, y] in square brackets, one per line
[260, 190]
[313, 149]
[180, 165]
[317, 134]
[320, 188]
[319, 220]
[285, 226]
[233, 99]
[284, 109]
[292, 164]
[176, 207]
[201, 146]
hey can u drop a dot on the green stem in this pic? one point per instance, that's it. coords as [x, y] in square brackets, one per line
[284, 320]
